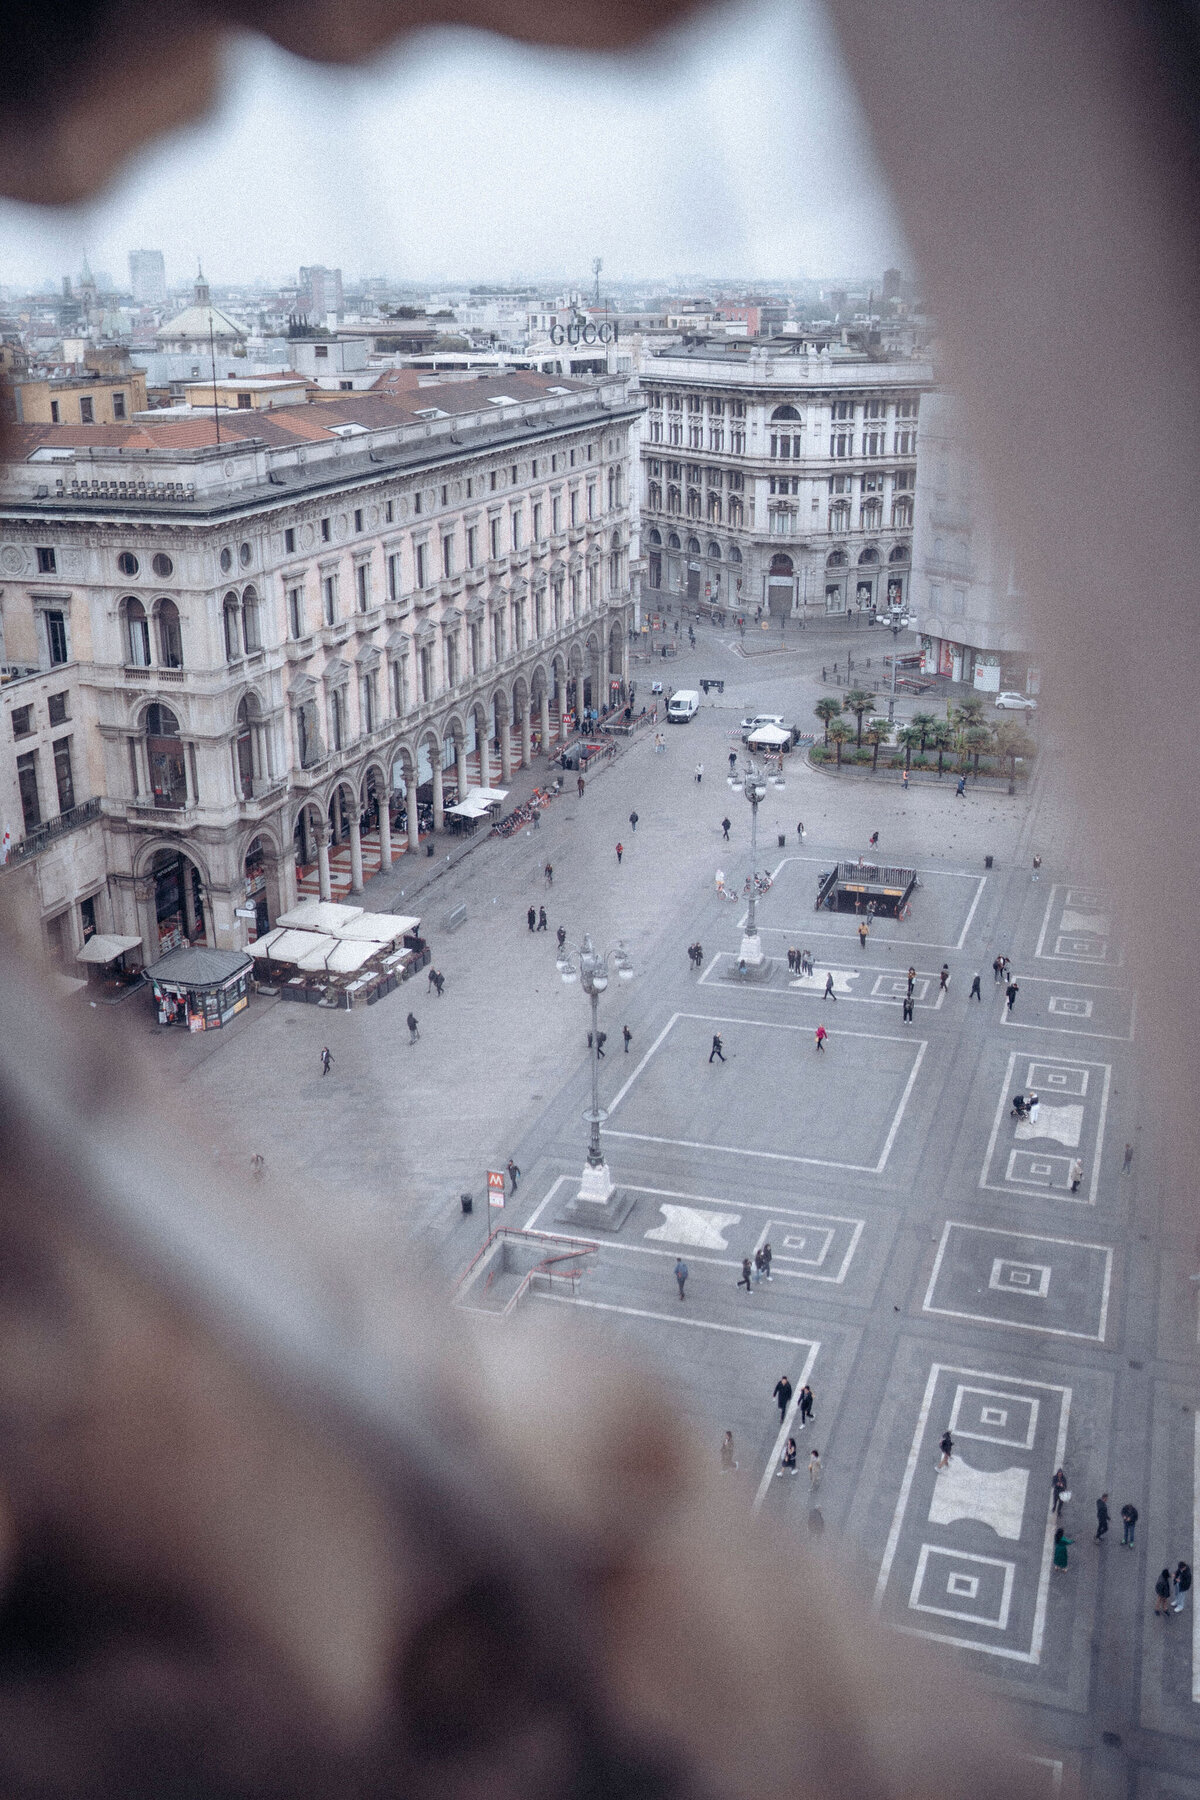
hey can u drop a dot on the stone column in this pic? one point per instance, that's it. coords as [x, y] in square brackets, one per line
[190, 922]
[385, 831]
[287, 881]
[460, 765]
[544, 720]
[485, 755]
[439, 809]
[324, 888]
[505, 731]
[356, 862]
[560, 703]
[527, 734]
[414, 823]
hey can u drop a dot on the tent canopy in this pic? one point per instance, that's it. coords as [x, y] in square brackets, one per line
[772, 735]
[105, 947]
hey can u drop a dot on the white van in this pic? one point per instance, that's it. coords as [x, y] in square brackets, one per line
[684, 706]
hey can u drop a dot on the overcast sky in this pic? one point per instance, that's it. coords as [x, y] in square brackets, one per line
[733, 148]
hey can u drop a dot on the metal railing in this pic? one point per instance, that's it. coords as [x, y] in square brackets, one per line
[45, 834]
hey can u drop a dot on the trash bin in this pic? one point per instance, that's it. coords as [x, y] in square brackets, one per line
[468, 1204]
[429, 850]
[987, 862]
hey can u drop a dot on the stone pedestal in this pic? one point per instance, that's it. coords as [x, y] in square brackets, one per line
[599, 1205]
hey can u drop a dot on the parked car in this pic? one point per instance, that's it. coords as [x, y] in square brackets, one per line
[753, 723]
[1015, 703]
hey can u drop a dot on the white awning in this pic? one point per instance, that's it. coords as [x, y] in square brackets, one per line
[292, 946]
[772, 735]
[342, 958]
[319, 915]
[379, 928]
[106, 947]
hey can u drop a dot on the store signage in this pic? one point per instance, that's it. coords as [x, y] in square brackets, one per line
[581, 331]
[495, 1187]
[246, 912]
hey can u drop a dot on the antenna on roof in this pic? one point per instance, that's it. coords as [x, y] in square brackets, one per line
[212, 363]
[597, 265]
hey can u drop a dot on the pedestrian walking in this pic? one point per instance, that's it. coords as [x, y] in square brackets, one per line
[326, 1062]
[258, 1165]
[829, 993]
[716, 1048]
[681, 1275]
[659, 746]
[975, 993]
[628, 1037]
[633, 819]
[904, 781]
[767, 1254]
[580, 785]
[791, 956]
[912, 980]
[1037, 868]
[944, 978]
[806, 962]
[514, 1174]
[961, 789]
[1128, 1162]
[620, 851]
[906, 1011]
[1061, 1544]
[814, 1471]
[543, 921]
[1162, 1594]
[732, 761]
[997, 969]
[863, 929]
[725, 824]
[699, 773]
[1181, 1581]
[946, 1446]
[1129, 1519]
[782, 1395]
[548, 872]
[1102, 1517]
[787, 1462]
[561, 935]
[805, 1408]
[531, 918]
[746, 1278]
[821, 1034]
[873, 840]
[601, 1040]
[800, 829]
[760, 1266]
[1076, 1174]
[432, 980]
[727, 1458]
[413, 1032]
[1011, 992]
[1058, 1491]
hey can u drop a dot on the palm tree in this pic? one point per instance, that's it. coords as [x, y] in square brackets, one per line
[878, 732]
[969, 712]
[1012, 741]
[910, 737]
[926, 723]
[841, 733]
[827, 708]
[857, 702]
[976, 739]
[940, 738]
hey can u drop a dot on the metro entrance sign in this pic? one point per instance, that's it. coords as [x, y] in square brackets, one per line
[495, 1183]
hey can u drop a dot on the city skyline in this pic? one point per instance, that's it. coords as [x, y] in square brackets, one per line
[734, 145]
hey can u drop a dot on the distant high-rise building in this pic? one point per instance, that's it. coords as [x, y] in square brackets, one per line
[148, 277]
[891, 284]
[321, 292]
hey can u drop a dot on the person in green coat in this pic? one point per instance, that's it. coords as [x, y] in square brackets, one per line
[1061, 1540]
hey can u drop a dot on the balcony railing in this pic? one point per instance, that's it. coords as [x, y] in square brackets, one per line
[46, 834]
[177, 676]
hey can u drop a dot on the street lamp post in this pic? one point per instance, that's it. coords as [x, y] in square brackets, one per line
[892, 695]
[753, 784]
[590, 967]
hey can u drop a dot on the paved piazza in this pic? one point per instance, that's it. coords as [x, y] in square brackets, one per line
[935, 1264]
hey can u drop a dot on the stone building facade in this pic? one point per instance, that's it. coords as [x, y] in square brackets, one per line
[780, 474]
[288, 637]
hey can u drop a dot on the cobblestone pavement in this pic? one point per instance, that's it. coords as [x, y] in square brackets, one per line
[933, 1266]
